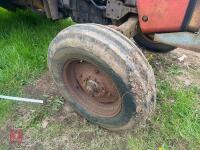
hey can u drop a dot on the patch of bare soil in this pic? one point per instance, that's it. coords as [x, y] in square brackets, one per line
[189, 58]
[43, 87]
[67, 130]
[62, 130]
[189, 61]
[180, 67]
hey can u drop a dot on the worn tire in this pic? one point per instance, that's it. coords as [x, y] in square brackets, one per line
[150, 45]
[120, 59]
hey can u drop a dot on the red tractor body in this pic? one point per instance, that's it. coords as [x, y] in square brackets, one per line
[162, 15]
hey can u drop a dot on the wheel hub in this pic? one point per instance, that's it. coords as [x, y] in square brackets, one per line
[93, 89]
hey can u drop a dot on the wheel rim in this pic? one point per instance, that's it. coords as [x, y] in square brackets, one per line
[92, 88]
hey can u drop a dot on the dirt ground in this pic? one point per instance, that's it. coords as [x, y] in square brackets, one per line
[64, 129]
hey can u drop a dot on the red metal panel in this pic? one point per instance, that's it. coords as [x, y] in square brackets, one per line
[161, 15]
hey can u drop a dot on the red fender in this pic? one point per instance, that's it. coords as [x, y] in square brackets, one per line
[162, 15]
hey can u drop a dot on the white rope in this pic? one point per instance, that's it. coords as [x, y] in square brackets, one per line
[21, 99]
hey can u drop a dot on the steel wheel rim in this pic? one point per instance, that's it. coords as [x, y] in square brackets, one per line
[92, 88]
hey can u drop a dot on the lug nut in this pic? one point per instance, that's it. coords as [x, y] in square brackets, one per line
[96, 71]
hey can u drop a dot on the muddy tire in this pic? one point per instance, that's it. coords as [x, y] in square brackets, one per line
[103, 75]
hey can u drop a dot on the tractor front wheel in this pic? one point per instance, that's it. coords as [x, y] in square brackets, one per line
[103, 75]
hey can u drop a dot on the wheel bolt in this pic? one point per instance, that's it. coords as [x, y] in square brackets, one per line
[145, 18]
[97, 71]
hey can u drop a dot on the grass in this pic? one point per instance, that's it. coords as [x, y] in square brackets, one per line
[176, 124]
[24, 40]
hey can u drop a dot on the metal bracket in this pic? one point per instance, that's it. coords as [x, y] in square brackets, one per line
[130, 2]
[116, 9]
[51, 9]
[127, 28]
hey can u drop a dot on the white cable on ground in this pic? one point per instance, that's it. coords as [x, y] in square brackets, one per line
[21, 99]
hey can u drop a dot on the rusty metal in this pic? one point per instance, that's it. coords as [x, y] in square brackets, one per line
[37, 4]
[190, 41]
[116, 9]
[51, 9]
[127, 28]
[92, 88]
[194, 24]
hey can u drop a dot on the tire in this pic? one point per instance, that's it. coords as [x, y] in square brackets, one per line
[150, 45]
[122, 69]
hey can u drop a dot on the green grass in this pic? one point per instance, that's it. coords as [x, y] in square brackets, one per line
[176, 123]
[24, 40]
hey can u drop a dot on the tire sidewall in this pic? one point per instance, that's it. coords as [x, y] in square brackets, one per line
[119, 58]
[128, 105]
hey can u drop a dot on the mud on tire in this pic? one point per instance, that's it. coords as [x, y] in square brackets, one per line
[119, 62]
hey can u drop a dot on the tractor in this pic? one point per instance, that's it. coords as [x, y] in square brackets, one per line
[98, 64]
